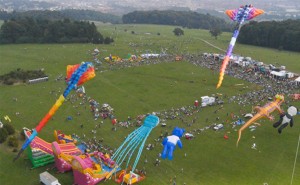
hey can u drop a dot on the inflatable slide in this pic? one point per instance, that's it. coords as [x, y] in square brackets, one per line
[88, 168]
[40, 152]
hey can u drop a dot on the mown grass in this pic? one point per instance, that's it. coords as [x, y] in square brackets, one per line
[210, 159]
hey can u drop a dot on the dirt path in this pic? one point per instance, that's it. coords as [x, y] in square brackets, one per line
[212, 45]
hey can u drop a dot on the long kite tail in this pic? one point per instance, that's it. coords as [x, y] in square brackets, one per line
[76, 75]
[222, 71]
[246, 125]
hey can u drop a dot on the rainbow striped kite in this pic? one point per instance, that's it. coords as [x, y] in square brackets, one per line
[76, 75]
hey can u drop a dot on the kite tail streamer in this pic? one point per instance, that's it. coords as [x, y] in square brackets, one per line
[76, 75]
[264, 111]
[240, 15]
[135, 140]
[222, 71]
[246, 125]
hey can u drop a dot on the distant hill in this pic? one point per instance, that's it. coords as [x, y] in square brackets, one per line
[186, 19]
[73, 14]
[92, 16]
[281, 9]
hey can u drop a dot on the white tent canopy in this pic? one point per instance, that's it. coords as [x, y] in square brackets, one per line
[297, 79]
[279, 74]
[249, 115]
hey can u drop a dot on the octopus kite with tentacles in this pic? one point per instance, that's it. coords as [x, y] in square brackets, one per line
[134, 145]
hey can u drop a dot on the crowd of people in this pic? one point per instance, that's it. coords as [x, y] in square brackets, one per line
[188, 115]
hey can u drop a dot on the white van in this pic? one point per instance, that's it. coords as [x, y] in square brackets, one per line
[206, 100]
[47, 179]
[218, 127]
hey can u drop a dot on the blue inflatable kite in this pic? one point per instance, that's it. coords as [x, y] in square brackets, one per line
[171, 141]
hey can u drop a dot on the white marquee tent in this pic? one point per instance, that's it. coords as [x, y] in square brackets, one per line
[297, 80]
[280, 74]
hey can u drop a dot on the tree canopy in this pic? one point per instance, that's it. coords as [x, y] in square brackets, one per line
[215, 32]
[29, 30]
[279, 35]
[21, 76]
[178, 32]
[72, 14]
[186, 19]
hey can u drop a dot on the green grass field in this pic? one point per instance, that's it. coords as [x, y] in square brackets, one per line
[210, 159]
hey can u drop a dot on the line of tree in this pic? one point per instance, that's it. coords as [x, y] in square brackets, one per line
[21, 76]
[72, 14]
[283, 35]
[29, 30]
[91, 15]
[186, 19]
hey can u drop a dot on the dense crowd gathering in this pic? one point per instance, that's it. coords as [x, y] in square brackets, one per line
[186, 115]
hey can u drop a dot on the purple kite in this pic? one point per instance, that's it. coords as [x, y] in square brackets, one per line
[244, 13]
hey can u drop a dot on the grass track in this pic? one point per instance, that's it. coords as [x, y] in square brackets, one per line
[210, 160]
